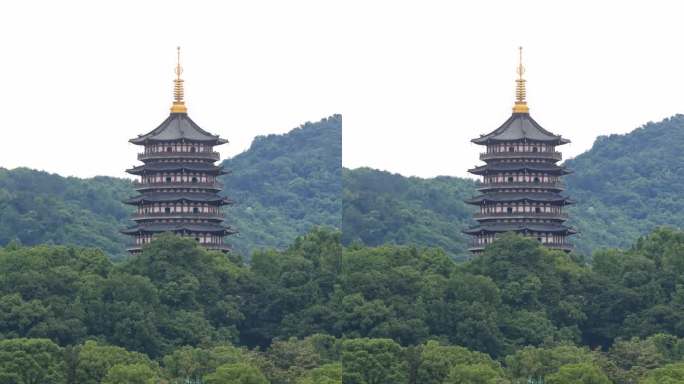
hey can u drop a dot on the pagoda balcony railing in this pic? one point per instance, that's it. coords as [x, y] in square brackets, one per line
[515, 155]
[177, 184]
[521, 184]
[171, 155]
[542, 215]
[178, 215]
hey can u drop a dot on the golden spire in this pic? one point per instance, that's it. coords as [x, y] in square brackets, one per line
[178, 105]
[520, 105]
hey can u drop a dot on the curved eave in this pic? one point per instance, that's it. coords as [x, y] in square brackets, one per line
[143, 141]
[486, 141]
[164, 198]
[507, 197]
[492, 168]
[177, 127]
[193, 228]
[498, 228]
[520, 127]
[154, 167]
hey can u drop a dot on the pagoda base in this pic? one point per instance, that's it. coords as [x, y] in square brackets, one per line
[134, 249]
[478, 248]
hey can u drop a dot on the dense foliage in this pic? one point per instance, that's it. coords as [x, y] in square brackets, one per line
[317, 312]
[41, 208]
[535, 315]
[176, 311]
[285, 185]
[625, 186]
[380, 208]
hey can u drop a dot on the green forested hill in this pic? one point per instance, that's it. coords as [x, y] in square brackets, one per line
[625, 186]
[380, 207]
[283, 186]
[37, 207]
[286, 184]
[321, 313]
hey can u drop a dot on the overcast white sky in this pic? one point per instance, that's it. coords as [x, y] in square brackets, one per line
[415, 81]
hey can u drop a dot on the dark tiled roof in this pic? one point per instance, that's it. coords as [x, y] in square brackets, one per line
[520, 126]
[520, 166]
[198, 197]
[176, 127]
[544, 197]
[168, 167]
[177, 227]
[519, 227]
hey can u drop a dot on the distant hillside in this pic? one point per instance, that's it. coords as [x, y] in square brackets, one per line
[286, 184]
[380, 207]
[625, 186]
[283, 185]
[38, 207]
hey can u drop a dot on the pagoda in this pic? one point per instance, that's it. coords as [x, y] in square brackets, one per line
[178, 186]
[521, 187]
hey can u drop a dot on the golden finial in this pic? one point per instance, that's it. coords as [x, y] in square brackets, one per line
[520, 105]
[178, 103]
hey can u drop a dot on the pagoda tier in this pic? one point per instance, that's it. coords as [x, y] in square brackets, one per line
[532, 197]
[189, 167]
[178, 186]
[174, 197]
[210, 235]
[521, 182]
[518, 168]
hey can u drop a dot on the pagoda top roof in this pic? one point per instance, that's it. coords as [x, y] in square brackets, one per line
[178, 126]
[176, 227]
[519, 127]
[544, 197]
[517, 227]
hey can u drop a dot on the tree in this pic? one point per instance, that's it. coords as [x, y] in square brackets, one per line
[131, 374]
[373, 361]
[31, 361]
[287, 360]
[191, 364]
[95, 361]
[437, 362]
[537, 363]
[584, 373]
[475, 374]
[239, 373]
[325, 374]
[198, 292]
[668, 374]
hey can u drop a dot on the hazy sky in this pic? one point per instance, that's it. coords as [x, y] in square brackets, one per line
[415, 81]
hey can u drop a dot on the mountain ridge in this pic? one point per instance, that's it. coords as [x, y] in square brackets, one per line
[625, 186]
[40, 207]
